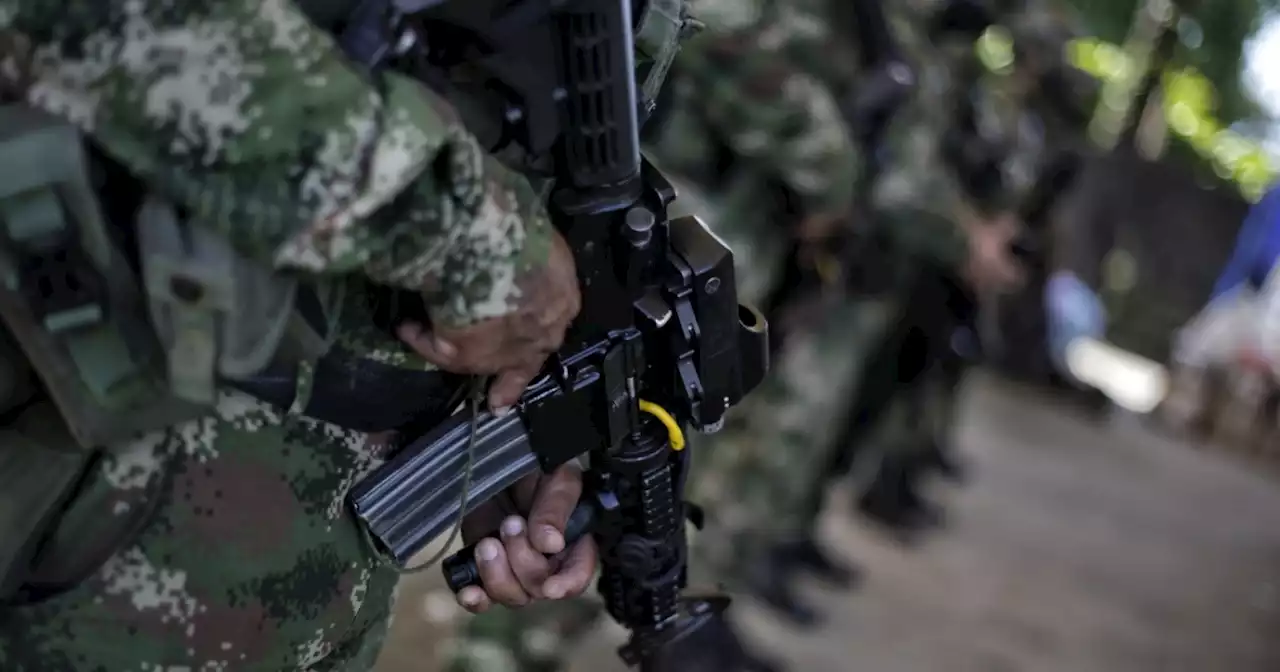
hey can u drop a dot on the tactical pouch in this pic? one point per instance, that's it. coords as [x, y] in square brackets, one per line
[67, 293]
[115, 363]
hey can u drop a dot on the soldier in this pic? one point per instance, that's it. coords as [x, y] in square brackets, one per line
[1018, 141]
[177, 514]
[1063, 97]
[921, 209]
[751, 94]
[997, 155]
[737, 100]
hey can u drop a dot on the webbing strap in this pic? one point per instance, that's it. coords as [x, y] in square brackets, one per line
[194, 294]
[662, 25]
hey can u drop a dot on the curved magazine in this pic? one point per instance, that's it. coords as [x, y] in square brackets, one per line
[412, 499]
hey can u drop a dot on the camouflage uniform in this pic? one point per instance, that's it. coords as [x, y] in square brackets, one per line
[759, 90]
[760, 474]
[738, 90]
[917, 204]
[251, 560]
[1005, 120]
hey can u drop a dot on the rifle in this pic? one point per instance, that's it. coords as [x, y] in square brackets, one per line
[661, 342]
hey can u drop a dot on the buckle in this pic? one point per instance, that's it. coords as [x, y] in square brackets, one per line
[55, 275]
[62, 286]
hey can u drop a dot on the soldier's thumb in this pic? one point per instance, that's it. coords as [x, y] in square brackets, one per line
[509, 384]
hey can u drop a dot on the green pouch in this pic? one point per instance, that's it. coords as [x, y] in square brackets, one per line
[67, 294]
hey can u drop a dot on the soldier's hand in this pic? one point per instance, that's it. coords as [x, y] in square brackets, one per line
[815, 234]
[514, 346]
[527, 560]
[821, 226]
[992, 266]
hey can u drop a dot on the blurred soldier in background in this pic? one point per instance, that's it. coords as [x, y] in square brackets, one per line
[1064, 98]
[924, 222]
[996, 150]
[763, 137]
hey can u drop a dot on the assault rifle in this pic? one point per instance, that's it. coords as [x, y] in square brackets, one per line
[661, 342]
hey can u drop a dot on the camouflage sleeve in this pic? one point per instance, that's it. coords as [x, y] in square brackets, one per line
[770, 112]
[248, 116]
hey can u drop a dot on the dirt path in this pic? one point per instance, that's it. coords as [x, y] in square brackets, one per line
[1077, 548]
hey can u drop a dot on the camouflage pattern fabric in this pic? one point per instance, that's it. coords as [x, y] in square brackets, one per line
[246, 115]
[251, 562]
[757, 480]
[740, 89]
[1004, 116]
[915, 168]
[533, 639]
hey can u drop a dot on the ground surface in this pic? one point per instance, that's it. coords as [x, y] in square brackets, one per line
[1078, 547]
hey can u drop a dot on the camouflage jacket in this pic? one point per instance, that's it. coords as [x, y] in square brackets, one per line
[328, 173]
[247, 557]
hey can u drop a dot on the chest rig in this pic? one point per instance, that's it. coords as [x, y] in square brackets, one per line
[108, 331]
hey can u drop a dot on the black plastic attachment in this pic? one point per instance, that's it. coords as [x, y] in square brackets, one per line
[61, 283]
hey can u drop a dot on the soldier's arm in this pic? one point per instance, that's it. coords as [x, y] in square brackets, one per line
[249, 117]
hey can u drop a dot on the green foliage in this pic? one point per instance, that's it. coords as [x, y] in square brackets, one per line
[1220, 29]
[1189, 107]
[1202, 83]
[1106, 19]
[1226, 25]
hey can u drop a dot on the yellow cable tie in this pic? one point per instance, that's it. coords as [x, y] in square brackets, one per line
[828, 268]
[674, 433]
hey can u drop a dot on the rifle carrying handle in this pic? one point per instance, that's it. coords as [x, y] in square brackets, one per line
[460, 569]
